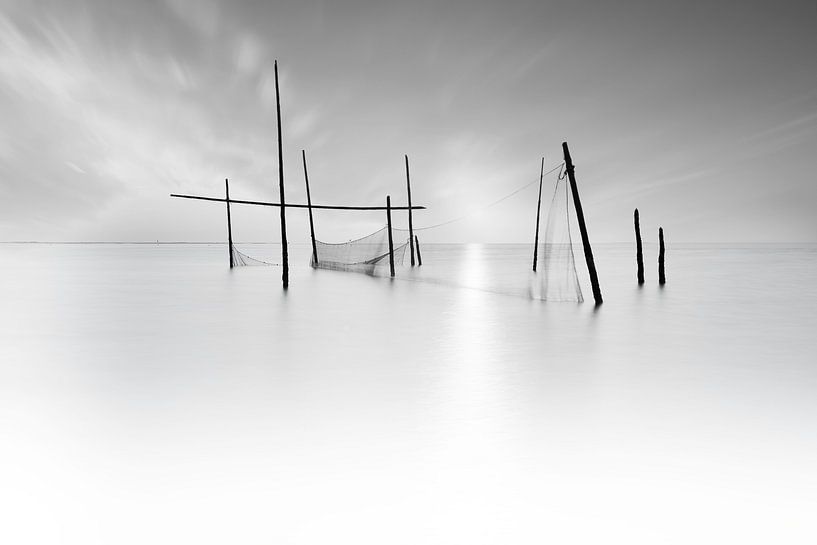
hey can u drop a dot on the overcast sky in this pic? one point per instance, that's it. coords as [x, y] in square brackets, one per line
[701, 114]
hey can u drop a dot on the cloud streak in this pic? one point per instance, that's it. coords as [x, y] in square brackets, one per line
[110, 106]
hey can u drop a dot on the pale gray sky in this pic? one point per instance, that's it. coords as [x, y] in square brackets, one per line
[701, 114]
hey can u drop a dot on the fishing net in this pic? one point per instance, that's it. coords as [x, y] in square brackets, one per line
[556, 271]
[367, 254]
[241, 259]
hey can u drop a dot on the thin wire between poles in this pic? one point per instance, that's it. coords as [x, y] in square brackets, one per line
[473, 212]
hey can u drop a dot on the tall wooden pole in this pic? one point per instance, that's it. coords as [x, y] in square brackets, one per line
[588, 251]
[661, 278]
[538, 208]
[419, 255]
[229, 223]
[411, 225]
[284, 249]
[391, 242]
[639, 254]
[311, 223]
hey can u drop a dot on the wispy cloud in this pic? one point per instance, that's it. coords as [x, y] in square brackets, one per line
[144, 98]
[787, 133]
[124, 115]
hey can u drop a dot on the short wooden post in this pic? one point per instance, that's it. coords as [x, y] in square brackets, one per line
[588, 251]
[419, 255]
[411, 225]
[391, 242]
[538, 208]
[311, 223]
[661, 278]
[229, 223]
[284, 249]
[639, 254]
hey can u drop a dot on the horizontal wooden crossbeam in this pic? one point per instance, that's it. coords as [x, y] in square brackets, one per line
[287, 205]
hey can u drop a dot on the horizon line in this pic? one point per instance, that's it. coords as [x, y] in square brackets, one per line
[172, 242]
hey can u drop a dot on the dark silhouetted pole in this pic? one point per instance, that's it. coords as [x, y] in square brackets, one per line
[290, 205]
[588, 251]
[661, 278]
[419, 255]
[639, 254]
[284, 250]
[229, 223]
[411, 225]
[538, 208]
[309, 204]
[391, 242]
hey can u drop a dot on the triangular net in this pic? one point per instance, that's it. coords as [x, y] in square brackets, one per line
[240, 259]
[367, 254]
[556, 270]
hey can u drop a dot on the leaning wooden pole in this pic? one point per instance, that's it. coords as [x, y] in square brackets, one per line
[661, 278]
[639, 253]
[284, 250]
[391, 242]
[229, 223]
[419, 255]
[411, 225]
[311, 223]
[588, 251]
[538, 208]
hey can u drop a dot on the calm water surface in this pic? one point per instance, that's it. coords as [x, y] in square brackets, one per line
[148, 394]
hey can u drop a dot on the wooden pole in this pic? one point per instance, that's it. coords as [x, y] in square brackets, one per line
[290, 205]
[229, 223]
[311, 223]
[661, 278]
[391, 242]
[588, 251]
[411, 225]
[538, 208]
[639, 254]
[284, 249]
[419, 255]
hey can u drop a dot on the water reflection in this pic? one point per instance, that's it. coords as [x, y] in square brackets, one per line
[151, 383]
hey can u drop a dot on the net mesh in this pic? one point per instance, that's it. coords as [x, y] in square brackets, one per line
[367, 254]
[556, 271]
[241, 259]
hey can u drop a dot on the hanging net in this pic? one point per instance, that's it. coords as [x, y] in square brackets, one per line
[556, 270]
[241, 259]
[368, 254]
